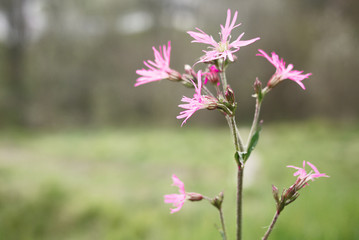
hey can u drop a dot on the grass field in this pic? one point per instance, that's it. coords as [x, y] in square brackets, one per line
[109, 184]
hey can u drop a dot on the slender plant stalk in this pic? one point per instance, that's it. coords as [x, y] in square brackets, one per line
[239, 201]
[223, 225]
[255, 120]
[224, 80]
[238, 143]
[270, 228]
[239, 147]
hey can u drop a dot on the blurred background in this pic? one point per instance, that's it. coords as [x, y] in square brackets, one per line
[86, 155]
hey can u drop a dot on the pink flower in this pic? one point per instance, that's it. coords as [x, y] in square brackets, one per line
[158, 70]
[282, 72]
[212, 75]
[223, 48]
[176, 199]
[196, 103]
[304, 177]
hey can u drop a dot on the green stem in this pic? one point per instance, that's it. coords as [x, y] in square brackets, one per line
[270, 228]
[239, 201]
[238, 143]
[223, 225]
[255, 120]
[223, 77]
[239, 147]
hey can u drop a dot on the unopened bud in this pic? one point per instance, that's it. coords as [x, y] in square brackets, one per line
[217, 201]
[194, 197]
[257, 85]
[230, 95]
[275, 193]
[189, 70]
[258, 89]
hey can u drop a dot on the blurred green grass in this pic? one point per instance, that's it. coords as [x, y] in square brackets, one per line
[109, 184]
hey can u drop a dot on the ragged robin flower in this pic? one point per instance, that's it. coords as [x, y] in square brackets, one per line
[198, 101]
[179, 199]
[282, 72]
[159, 69]
[224, 48]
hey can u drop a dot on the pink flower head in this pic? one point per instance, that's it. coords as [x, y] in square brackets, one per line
[304, 177]
[223, 48]
[283, 72]
[212, 75]
[198, 101]
[176, 199]
[159, 69]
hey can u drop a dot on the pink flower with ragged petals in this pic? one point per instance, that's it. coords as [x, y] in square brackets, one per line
[198, 101]
[212, 75]
[283, 72]
[159, 69]
[176, 199]
[222, 49]
[304, 177]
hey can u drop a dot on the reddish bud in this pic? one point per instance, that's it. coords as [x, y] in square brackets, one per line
[230, 95]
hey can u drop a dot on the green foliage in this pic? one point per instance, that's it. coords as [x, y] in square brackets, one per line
[110, 184]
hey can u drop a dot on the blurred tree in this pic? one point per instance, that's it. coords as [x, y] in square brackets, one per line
[14, 61]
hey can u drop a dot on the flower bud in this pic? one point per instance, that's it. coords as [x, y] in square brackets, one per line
[217, 201]
[257, 86]
[230, 95]
[189, 70]
[258, 89]
[194, 197]
[275, 193]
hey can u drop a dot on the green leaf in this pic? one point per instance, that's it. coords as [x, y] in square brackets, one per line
[252, 144]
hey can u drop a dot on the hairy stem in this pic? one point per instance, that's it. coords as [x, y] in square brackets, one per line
[223, 225]
[270, 228]
[255, 120]
[222, 74]
[239, 201]
[238, 143]
[239, 147]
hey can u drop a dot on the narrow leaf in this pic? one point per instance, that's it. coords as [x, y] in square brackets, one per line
[252, 144]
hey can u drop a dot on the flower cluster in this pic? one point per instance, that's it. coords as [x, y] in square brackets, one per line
[160, 69]
[217, 57]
